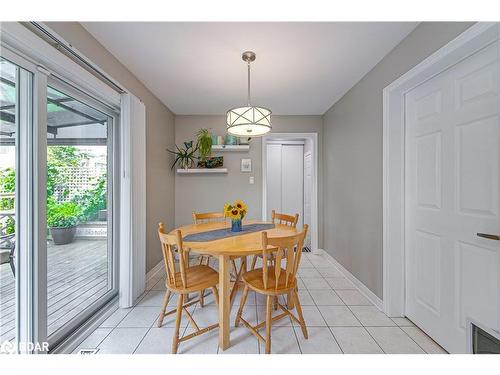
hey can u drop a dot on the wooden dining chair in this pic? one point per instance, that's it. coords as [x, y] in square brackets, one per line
[183, 280]
[273, 281]
[207, 217]
[282, 219]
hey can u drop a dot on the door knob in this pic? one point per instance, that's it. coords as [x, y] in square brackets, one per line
[493, 237]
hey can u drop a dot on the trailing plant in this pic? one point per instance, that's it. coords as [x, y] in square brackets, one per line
[204, 143]
[185, 156]
[62, 215]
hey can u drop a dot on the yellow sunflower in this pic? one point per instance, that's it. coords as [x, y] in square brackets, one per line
[234, 213]
[240, 205]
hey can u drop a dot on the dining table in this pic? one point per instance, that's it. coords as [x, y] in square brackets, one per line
[234, 245]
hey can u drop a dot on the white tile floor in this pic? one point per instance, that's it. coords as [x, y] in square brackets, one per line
[340, 319]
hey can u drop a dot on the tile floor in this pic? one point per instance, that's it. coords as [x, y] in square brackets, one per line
[340, 319]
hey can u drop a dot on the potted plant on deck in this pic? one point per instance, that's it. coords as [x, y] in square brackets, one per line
[62, 219]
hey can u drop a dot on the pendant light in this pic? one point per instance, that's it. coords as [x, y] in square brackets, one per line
[248, 121]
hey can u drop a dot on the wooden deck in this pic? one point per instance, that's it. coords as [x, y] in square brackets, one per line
[77, 277]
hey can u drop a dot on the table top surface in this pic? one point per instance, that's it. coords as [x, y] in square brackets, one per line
[244, 244]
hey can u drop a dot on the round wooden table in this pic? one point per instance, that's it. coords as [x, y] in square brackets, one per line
[224, 249]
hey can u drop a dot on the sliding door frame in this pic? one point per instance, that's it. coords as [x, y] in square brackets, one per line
[113, 194]
[31, 249]
[31, 196]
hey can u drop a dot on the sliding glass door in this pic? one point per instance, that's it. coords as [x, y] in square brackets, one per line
[80, 257]
[9, 131]
[17, 201]
[58, 186]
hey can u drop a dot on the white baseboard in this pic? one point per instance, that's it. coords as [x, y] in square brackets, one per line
[372, 297]
[153, 271]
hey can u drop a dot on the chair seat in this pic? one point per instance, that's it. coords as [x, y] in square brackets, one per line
[254, 280]
[198, 278]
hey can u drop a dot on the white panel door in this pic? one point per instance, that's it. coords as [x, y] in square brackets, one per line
[308, 194]
[273, 179]
[292, 178]
[452, 193]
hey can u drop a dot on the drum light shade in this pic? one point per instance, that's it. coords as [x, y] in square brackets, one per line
[248, 121]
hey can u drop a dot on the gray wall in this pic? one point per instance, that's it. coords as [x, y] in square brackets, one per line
[210, 192]
[159, 134]
[352, 157]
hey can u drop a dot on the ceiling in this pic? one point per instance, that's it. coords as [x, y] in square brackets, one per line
[301, 68]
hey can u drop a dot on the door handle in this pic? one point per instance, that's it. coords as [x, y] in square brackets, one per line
[493, 237]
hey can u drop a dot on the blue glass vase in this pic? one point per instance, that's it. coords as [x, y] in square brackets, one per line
[236, 225]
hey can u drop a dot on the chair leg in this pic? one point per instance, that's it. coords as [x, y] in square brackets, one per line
[216, 295]
[235, 269]
[296, 301]
[237, 281]
[12, 267]
[254, 262]
[242, 305]
[178, 317]
[289, 301]
[163, 308]
[275, 303]
[268, 323]
[202, 299]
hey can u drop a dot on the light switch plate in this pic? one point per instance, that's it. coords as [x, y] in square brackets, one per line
[251, 180]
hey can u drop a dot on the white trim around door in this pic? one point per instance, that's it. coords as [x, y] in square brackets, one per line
[473, 39]
[290, 137]
[133, 200]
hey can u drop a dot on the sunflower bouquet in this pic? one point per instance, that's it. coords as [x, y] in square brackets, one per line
[236, 212]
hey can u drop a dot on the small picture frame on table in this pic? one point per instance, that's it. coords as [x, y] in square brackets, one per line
[246, 165]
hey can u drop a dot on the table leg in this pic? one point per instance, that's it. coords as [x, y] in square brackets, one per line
[224, 301]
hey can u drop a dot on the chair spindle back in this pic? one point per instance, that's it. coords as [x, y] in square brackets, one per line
[206, 217]
[169, 245]
[285, 219]
[288, 247]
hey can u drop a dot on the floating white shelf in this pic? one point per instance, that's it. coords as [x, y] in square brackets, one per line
[230, 148]
[201, 170]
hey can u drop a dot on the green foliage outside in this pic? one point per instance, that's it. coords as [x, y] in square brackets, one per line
[62, 215]
[7, 185]
[92, 201]
[82, 208]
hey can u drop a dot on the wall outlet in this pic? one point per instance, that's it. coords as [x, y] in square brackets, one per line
[251, 180]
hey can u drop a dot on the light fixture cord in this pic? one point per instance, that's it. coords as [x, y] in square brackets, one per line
[248, 83]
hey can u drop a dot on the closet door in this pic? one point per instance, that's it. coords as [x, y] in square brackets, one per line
[292, 180]
[273, 178]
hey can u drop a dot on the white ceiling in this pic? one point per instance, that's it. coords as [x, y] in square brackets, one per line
[301, 68]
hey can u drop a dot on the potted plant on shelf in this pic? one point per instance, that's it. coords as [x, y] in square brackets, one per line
[62, 219]
[204, 143]
[185, 156]
[236, 212]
